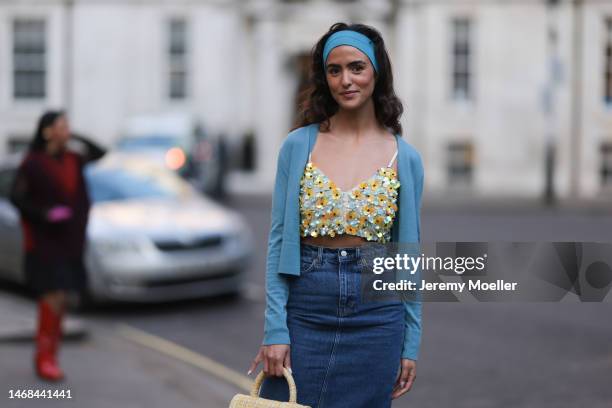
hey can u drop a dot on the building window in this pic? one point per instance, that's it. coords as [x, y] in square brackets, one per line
[177, 59]
[17, 143]
[606, 164]
[29, 75]
[462, 54]
[608, 62]
[460, 162]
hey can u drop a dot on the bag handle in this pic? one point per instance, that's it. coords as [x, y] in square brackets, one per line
[259, 381]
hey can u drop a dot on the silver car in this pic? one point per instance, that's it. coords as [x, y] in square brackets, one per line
[151, 236]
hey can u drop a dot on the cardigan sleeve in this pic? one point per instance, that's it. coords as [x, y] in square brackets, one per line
[20, 196]
[413, 308]
[277, 286]
[89, 151]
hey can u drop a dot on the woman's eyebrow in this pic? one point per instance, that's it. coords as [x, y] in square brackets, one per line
[352, 63]
[356, 62]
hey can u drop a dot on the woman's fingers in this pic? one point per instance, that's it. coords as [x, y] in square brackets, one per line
[274, 358]
[411, 378]
[400, 387]
[258, 358]
[278, 365]
[266, 362]
[405, 379]
[287, 362]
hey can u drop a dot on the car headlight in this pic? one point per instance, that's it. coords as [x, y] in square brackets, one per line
[119, 247]
[242, 238]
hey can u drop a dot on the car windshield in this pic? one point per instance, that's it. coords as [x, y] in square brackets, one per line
[148, 142]
[108, 183]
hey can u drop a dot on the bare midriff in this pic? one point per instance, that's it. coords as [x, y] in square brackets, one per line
[339, 241]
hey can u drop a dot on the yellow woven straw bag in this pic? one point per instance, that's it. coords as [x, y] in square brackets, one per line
[255, 401]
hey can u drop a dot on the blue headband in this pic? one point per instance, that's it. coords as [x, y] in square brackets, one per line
[354, 39]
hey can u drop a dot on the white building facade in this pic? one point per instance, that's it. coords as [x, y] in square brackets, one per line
[485, 84]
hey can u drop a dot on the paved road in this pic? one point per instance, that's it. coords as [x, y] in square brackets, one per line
[104, 369]
[473, 355]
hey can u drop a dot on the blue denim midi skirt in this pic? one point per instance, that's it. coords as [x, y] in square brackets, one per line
[345, 352]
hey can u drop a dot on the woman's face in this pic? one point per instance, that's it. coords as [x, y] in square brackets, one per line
[350, 77]
[59, 132]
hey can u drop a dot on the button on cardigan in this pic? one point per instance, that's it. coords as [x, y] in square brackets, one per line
[283, 257]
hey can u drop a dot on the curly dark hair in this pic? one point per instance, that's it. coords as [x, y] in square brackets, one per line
[317, 104]
[46, 120]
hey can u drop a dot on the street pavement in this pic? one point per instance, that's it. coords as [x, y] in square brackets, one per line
[473, 355]
[104, 369]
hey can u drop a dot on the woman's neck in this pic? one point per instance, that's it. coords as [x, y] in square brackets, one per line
[54, 149]
[357, 122]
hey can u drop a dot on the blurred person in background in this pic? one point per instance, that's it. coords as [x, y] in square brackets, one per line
[50, 192]
[337, 188]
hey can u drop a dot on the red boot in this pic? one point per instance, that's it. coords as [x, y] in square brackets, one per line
[57, 331]
[47, 339]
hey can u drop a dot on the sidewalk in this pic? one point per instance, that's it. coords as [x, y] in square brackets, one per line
[18, 320]
[103, 369]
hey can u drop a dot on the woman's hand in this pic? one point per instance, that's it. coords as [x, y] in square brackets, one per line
[405, 379]
[59, 213]
[274, 357]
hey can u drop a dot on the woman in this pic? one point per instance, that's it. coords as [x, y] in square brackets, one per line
[50, 193]
[337, 188]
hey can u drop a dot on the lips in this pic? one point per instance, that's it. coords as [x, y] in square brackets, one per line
[349, 94]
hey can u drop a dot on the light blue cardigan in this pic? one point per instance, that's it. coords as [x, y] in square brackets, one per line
[284, 240]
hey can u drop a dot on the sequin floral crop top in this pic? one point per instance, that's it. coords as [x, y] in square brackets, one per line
[367, 210]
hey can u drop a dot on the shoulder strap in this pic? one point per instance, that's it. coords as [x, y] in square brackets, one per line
[392, 159]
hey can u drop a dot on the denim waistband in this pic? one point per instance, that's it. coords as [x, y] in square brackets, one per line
[343, 254]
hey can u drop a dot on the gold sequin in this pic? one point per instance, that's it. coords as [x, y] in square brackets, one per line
[367, 210]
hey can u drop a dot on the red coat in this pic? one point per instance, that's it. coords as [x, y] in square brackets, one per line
[42, 182]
